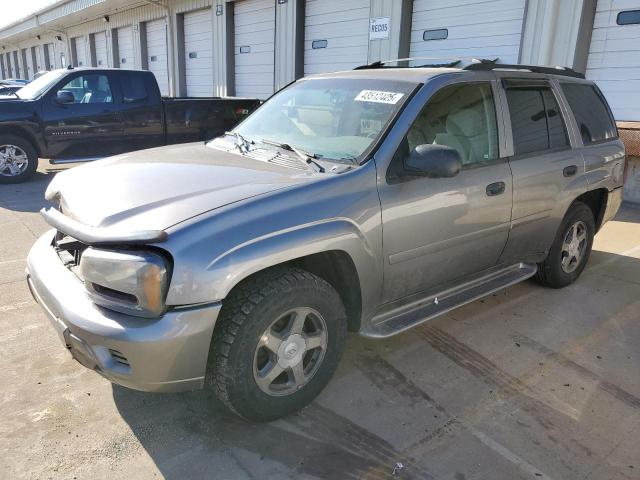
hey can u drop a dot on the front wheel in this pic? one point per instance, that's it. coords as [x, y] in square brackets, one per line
[278, 341]
[570, 250]
[18, 159]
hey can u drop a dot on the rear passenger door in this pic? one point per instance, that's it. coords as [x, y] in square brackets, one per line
[547, 173]
[140, 110]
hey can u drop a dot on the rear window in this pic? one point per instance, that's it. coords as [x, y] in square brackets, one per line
[536, 121]
[592, 115]
[133, 88]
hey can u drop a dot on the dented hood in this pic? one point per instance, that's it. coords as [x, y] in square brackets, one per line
[157, 188]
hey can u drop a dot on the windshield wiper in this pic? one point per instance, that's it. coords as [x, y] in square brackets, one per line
[307, 158]
[242, 142]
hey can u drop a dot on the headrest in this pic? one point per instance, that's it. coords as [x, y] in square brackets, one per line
[466, 122]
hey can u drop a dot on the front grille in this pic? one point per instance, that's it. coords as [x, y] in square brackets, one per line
[69, 249]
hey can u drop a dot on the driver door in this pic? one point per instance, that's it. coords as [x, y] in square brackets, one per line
[91, 126]
[438, 232]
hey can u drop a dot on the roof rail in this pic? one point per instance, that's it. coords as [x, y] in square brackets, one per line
[487, 65]
[443, 62]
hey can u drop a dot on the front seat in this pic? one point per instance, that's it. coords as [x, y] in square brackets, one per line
[466, 132]
[95, 93]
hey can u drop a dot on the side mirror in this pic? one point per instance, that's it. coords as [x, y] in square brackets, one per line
[433, 161]
[65, 97]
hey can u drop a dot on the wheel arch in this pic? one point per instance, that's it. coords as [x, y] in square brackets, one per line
[596, 200]
[23, 133]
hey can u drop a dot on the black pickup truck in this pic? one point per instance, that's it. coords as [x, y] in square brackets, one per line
[78, 114]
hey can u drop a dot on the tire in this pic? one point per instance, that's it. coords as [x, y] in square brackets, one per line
[564, 265]
[255, 335]
[15, 144]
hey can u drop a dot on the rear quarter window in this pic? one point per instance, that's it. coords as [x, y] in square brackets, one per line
[592, 115]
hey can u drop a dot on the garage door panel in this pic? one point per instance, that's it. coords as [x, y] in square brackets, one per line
[81, 52]
[344, 26]
[614, 59]
[254, 47]
[157, 53]
[490, 28]
[198, 45]
[100, 43]
[125, 47]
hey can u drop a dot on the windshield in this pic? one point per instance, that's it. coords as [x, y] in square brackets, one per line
[330, 118]
[40, 85]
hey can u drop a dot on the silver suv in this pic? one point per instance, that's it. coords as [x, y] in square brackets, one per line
[367, 201]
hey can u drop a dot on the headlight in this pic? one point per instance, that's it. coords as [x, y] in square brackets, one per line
[129, 282]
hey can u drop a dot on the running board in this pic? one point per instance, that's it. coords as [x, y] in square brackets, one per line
[400, 319]
[61, 161]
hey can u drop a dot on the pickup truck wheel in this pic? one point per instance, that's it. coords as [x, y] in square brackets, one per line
[570, 250]
[277, 343]
[18, 159]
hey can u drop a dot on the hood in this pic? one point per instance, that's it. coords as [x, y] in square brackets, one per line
[157, 188]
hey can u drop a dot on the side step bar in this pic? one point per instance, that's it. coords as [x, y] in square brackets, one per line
[408, 316]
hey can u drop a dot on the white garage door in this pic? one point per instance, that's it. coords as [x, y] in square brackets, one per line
[100, 44]
[51, 56]
[37, 51]
[26, 56]
[470, 28]
[198, 54]
[614, 57]
[3, 66]
[125, 47]
[82, 54]
[157, 57]
[254, 37]
[336, 35]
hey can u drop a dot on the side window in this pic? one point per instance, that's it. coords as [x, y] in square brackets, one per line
[536, 121]
[133, 88]
[90, 88]
[462, 117]
[591, 113]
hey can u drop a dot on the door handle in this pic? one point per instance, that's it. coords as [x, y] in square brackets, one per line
[570, 171]
[496, 188]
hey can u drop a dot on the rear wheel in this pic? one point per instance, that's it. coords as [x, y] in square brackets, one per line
[278, 341]
[18, 159]
[570, 250]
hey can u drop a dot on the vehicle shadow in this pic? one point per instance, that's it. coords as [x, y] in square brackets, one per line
[362, 423]
[27, 196]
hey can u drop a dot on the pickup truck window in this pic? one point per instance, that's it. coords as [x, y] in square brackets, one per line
[133, 88]
[40, 85]
[333, 118]
[91, 88]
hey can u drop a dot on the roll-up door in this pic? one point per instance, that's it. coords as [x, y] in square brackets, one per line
[468, 28]
[100, 44]
[336, 35]
[27, 62]
[614, 57]
[254, 40]
[37, 54]
[125, 47]
[50, 58]
[198, 54]
[157, 58]
[82, 54]
[17, 65]
[3, 66]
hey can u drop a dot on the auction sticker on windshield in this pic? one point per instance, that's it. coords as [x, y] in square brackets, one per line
[377, 96]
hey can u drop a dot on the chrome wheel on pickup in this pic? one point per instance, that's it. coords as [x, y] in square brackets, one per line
[18, 159]
[276, 344]
[571, 248]
[13, 160]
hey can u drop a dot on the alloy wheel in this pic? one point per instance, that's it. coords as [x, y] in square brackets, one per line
[290, 352]
[574, 246]
[13, 161]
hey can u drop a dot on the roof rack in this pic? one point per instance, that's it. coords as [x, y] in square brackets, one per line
[443, 62]
[487, 65]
